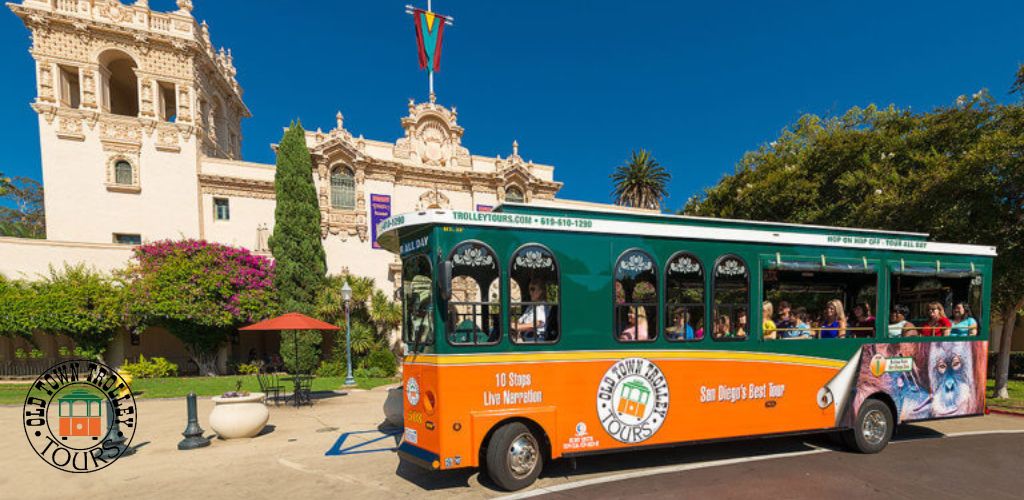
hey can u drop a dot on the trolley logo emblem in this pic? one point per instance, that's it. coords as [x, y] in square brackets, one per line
[79, 416]
[632, 400]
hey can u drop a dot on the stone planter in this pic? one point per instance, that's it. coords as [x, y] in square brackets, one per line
[393, 407]
[240, 417]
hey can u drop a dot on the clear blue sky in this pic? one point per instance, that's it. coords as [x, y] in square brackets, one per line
[580, 84]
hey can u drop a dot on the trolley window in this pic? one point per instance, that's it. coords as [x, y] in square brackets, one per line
[684, 298]
[731, 299]
[534, 295]
[474, 311]
[417, 290]
[636, 297]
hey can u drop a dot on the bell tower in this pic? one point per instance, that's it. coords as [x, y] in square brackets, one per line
[129, 101]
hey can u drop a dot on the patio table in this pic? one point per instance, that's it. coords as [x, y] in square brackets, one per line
[301, 394]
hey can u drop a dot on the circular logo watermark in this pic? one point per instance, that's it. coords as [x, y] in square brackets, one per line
[632, 400]
[79, 416]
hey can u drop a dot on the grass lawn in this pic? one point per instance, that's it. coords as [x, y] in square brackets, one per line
[1014, 403]
[176, 387]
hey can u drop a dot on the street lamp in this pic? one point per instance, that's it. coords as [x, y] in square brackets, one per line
[346, 297]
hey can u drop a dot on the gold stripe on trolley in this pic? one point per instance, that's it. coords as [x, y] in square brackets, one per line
[537, 357]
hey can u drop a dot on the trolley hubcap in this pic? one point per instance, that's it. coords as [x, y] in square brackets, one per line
[874, 427]
[522, 455]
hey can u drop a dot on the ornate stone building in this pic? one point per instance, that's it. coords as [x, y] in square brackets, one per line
[140, 128]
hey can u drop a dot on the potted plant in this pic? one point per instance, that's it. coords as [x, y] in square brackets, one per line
[238, 414]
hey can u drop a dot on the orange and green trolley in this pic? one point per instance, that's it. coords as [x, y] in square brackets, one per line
[536, 333]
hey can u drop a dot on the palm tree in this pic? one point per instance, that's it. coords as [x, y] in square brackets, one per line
[641, 182]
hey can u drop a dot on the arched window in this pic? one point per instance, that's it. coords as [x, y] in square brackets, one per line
[534, 295]
[513, 194]
[343, 189]
[731, 299]
[684, 298]
[636, 297]
[119, 83]
[474, 312]
[123, 173]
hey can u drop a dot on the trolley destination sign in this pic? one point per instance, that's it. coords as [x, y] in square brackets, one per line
[79, 416]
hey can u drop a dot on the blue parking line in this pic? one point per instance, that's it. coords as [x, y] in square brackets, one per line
[351, 450]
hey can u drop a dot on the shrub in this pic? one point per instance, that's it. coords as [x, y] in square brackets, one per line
[248, 368]
[150, 368]
[370, 373]
[331, 369]
[382, 359]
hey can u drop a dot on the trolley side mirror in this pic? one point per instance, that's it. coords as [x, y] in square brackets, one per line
[444, 279]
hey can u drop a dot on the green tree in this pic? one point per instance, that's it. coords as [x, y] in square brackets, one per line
[25, 217]
[81, 303]
[20, 308]
[641, 182]
[301, 264]
[296, 244]
[956, 172]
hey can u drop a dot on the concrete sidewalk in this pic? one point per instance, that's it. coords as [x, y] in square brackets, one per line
[290, 462]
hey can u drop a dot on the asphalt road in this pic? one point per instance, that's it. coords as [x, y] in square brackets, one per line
[921, 464]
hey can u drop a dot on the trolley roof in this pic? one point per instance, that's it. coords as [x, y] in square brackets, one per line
[577, 220]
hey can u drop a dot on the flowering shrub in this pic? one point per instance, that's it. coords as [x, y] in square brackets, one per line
[200, 291]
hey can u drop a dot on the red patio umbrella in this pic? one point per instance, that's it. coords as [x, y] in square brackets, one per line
[291, 321]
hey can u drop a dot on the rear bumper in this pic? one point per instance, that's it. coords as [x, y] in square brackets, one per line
[419, 456]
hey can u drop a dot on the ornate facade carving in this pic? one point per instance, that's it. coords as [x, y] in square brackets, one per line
[167, 48]
[237, 187]
[433, 199]
[432, 137]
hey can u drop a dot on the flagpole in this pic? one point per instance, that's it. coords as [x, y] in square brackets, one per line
[430, 70]
[409, 9]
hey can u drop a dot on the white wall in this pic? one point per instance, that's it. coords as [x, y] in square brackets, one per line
[79, 207]
[29, 259]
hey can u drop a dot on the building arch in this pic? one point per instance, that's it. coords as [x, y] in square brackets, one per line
[119, 83]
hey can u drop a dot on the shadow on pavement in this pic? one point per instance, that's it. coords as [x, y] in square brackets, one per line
[626, 461]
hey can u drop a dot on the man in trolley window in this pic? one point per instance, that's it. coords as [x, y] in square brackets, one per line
[530, 326]
[80, 414]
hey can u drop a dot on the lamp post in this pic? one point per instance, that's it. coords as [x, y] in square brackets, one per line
[346, 297]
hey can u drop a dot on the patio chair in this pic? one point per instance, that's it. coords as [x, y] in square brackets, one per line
[270, 386]
[303, 395]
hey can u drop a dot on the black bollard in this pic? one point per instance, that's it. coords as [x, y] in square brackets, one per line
[116, 437]
[193, 433]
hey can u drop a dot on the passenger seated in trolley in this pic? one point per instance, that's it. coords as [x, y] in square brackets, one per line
[636, 325]
[833, 325]
[963, 324]
[768, 327]
[899, 326]
[530, 327]
[680, 329]
[801, 326]
[863, 321]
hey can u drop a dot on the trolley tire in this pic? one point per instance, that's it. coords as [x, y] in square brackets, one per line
[510, 452]
[873, 428]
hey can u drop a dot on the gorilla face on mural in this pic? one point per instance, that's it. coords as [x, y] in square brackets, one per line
[951, 371]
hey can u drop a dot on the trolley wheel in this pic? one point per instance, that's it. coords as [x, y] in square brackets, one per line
[873, 428]
[514, 457]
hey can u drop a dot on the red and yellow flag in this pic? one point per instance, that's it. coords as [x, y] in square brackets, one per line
[429, 31]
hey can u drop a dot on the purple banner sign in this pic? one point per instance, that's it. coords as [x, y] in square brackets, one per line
[484, 208]
[380, 209]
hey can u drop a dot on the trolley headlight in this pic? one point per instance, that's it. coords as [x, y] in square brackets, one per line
[412, 391]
